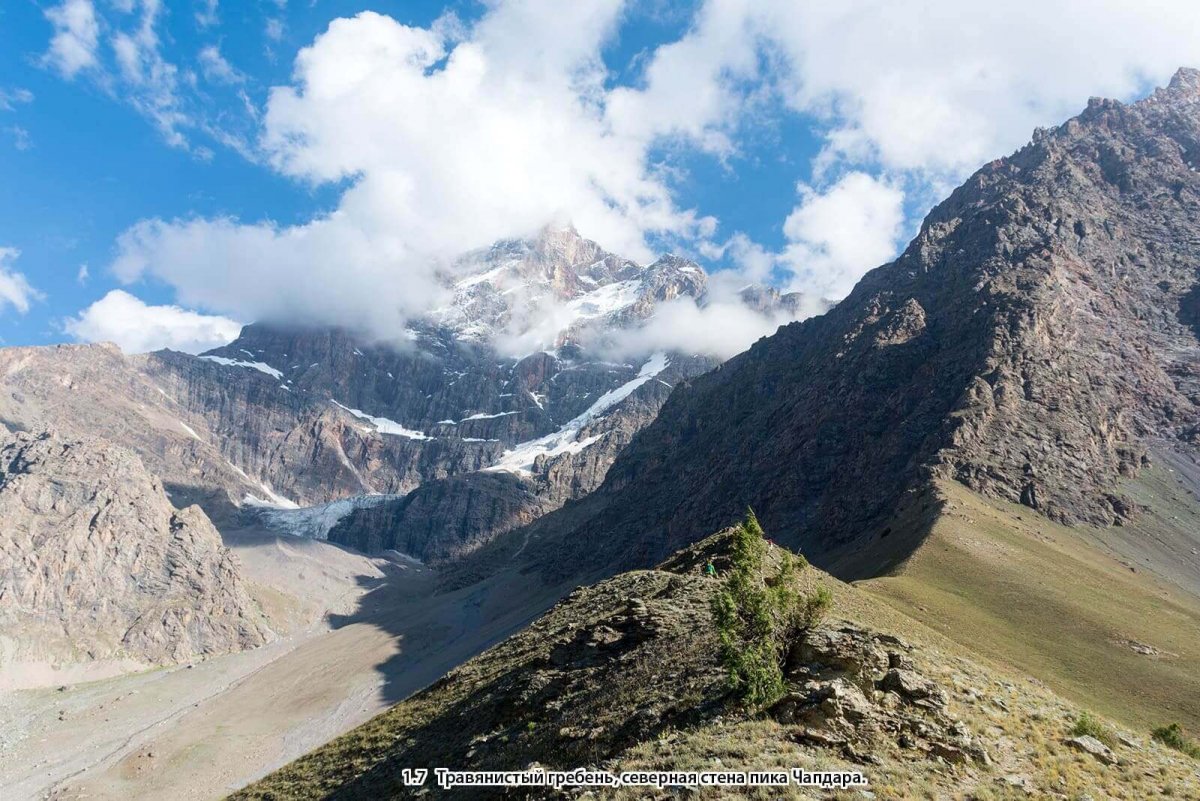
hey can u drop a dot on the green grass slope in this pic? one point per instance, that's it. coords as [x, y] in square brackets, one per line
[1044, 600]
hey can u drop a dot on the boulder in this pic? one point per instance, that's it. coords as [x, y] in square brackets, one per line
[1090, 745]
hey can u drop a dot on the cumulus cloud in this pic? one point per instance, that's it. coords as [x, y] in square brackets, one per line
[922, 93]
[722, 327]
[837, 234]
[938, 87]
[951, 85]
[695, 88]
[450, 140]
[76, 37]
[15, 290]
[137, 327]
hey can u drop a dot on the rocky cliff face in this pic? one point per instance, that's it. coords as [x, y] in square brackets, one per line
[449, 517]
[322, 414]
[95, 391]
[1030, 342]
[96, 565]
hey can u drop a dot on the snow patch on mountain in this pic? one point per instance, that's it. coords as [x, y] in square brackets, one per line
[532, 295]
[485, 416]
[259, 366]
[382, 424]
[521, 458]
[273, 499]
[603, 301]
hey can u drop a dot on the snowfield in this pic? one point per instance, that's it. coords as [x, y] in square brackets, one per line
[259, 366]
[520, 459]
[384, 425]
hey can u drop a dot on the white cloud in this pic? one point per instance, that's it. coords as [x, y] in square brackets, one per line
[137, 328]
[81, 277]
[943, 88]
[76, 37]
[939, 86]
[152, 81]
[836, 235]
[694, 88]
[15, 290]
[450, 137]
[449, 143]
[216, 68]
[921, 92]
[9, 98]
[118, 47]
[720, 328]
[206, 15]
[21, 138]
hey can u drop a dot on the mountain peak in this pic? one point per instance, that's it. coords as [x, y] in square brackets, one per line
[546, 290]
[1186, 80]
[1182, 91]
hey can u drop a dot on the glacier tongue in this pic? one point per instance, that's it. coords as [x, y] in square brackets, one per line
[520, 459]
[315, 522]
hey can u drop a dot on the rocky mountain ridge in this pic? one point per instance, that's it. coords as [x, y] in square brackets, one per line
[1032, 343]
[556, 290]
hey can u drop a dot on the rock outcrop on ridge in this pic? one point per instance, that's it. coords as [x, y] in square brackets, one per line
[628, 675]
[97, 566]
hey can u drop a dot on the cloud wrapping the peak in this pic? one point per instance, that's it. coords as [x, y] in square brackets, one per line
[136, 327]
[722, 327]
[450, 140]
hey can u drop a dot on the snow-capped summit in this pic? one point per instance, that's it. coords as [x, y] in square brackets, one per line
[542, 293]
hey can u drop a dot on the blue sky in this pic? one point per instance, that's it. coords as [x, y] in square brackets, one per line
[185, 156]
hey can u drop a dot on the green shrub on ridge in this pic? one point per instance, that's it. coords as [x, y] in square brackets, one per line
[757, 618]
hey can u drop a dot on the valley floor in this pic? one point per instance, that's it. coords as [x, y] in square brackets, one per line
[363, 635]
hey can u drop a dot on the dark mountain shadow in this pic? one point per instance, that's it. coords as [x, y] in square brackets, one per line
[437, 629]
[215, 502]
